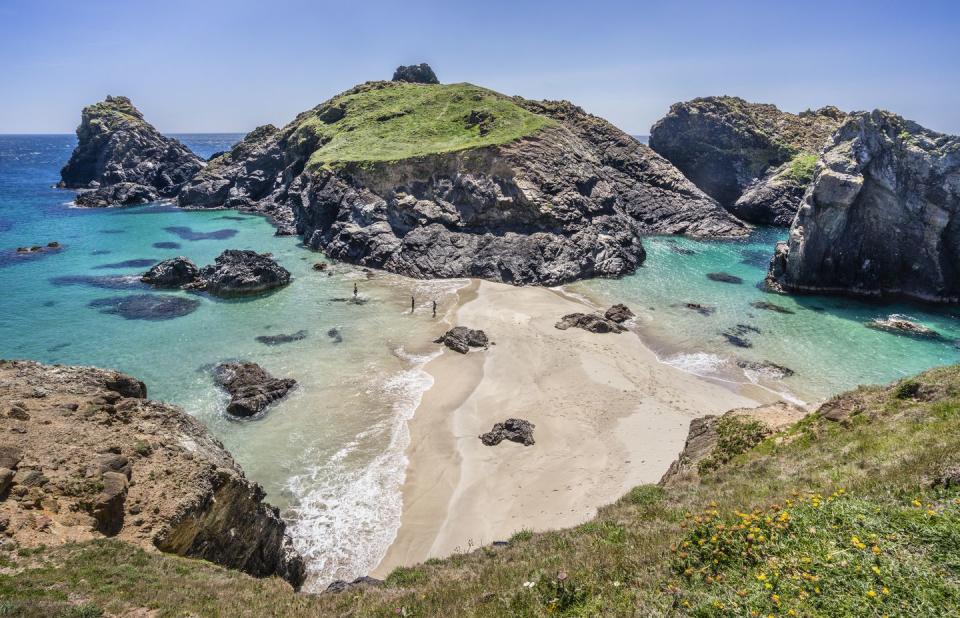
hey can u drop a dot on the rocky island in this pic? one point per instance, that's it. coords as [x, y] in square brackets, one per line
[753, 158]
[882, 216]
[454, 180]
[122, 159]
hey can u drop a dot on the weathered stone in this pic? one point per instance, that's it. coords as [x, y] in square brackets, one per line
[340, 585]
[513, 429]
[724, 278]
[6, 479]
[250, 387]
[283, 338]
[461, 339]
[882, 216]
[120, 194]
[589, 322]
[237, 272]
[618, 314]
[416, 73]
[108, 508]
[898, 325]
[172, 273]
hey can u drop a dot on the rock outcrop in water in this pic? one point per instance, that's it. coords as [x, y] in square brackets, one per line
[234, 273]
[882, 216]
[461, 339]
[175, 272]
[516, 191]
[753, 158]
[251, 387]
[84, 454]
[124, 159]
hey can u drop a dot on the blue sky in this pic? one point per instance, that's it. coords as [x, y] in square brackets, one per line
[211, 65]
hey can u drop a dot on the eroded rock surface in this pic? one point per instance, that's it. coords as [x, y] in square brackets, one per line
[238, 272]
[416, 73]
[93, 457]
[882, 216]
[461, 339]
[513, 429]
[124, 159]
[251, 387]
[589, 322]
[172, 273]
[751, 157]
[618, 313]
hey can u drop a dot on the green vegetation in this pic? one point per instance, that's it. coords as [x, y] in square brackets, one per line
[802, 166]
[735, 435]
[389, 121]
[855, 517]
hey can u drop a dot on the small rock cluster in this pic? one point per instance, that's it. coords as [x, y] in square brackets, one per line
[513, 429]
[251, 387]
[461, 339]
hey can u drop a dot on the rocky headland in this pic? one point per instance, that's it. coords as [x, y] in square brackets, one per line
[753, 158]
[501, 188]
[85, 455]
[882, 216]
[122, 159]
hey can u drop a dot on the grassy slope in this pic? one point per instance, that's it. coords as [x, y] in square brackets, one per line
[823, 519]
[388, 121]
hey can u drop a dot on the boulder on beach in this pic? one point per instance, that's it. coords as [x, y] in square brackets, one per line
[513, 429]
[461, 339]
[251, 387]
[618, 313]
[589, 322]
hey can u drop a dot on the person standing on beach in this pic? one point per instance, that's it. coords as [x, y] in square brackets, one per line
[412, 304]
[354, 290]
[434, 308]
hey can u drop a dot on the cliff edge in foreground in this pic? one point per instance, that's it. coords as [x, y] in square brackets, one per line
[882, 216]
[84, 455]
[123, 159]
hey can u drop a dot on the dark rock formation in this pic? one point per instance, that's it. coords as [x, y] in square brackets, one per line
[899, 325]
[340, 585]
[618, 313]
[416, 74]
[146, 306]
[724, 278]
[567, 202]
[120, 194]
[99, 459]
[768, 368]
[124, 159]
[250, 387]
[882, 217]
[590, 322]
[762, 304]
[237, 272]
[283, 338]
[172, 273]
[750, 157]
[513, 429]
[704, 310]
[461, 339]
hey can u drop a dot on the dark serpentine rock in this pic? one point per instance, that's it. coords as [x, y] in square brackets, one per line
[237, 272]
[882, 216]
[567, 202]
[899, 325]
[513, 429]
[124, 159]
[416, 73]
[152, 475]
[589, 322]
[461, 339]
[751, 157]
[618, 313]
[250, 387]
[172, 273]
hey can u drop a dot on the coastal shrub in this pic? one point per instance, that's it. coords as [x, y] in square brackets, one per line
[735, 435]
[404, 577]
[644, 495]
[142, 448]
[907, 389]
[521, 535]
[802, 166]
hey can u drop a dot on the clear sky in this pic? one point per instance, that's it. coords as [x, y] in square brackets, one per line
[217, 65]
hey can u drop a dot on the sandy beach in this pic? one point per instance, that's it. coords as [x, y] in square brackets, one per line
[608, 415]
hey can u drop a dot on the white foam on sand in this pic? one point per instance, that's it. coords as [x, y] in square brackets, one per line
[346, 517]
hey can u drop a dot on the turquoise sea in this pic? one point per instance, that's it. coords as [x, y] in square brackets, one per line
[332, 454]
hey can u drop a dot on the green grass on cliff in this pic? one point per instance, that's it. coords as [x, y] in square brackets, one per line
[801, 167]
[824, 518]
[389, 121]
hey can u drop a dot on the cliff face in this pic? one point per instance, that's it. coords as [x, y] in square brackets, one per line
[124, 159]
[882, 216]
[84, 454]
[745, 155]
[386, 175]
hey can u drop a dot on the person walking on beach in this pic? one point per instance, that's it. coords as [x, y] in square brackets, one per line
[434, 308]
[354, 291]
[412, 304]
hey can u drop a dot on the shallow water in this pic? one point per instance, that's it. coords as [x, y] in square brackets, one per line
[823, 339]
[330, 455]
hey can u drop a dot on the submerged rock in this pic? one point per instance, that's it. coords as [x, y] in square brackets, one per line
[589, 322]
[124, 158]
[461, 339]
[724, 278]
[882, 217]
[899, 325]
[618, 313]
[762, 304]
[280, 339]
[173, 273]
[250, 387]
[513, 429]
[704, 310]
[107, 282]
[94, 430]
[239, 272]
[416, 74]
[146, 306]
[770, 369]
[728, 146]
[570, 199]
[188, 234]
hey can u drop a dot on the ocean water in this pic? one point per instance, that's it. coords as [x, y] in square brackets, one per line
[331, 455]
[823, 340]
